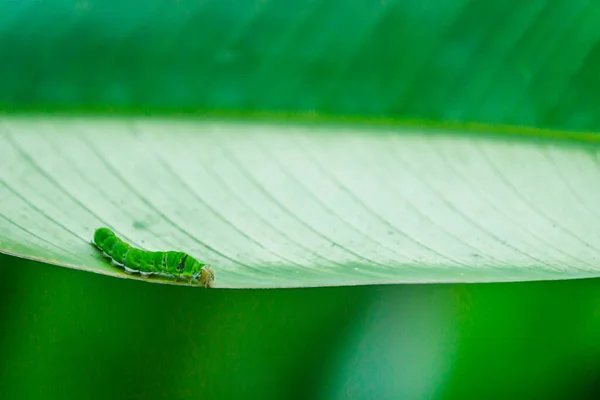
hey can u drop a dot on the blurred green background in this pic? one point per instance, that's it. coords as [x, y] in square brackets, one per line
[511, 62]
[68, 334]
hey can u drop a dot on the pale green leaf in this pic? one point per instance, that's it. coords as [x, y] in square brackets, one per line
[287, 205]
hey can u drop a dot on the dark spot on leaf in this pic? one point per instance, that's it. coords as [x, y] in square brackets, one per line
[138, 225]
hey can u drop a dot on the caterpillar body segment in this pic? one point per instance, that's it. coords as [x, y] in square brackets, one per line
[146, 263]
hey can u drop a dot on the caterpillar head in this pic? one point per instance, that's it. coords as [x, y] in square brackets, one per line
[201, 272]
[206, 277]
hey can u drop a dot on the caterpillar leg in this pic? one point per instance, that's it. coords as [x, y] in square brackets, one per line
[145, 274]
[128, 270]
[98, 247]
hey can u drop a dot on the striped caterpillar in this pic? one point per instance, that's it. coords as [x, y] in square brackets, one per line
[174, 263]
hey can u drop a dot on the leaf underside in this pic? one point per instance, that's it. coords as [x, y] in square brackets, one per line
[297, 205]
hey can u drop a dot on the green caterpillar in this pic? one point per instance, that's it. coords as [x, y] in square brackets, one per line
[175, 263]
